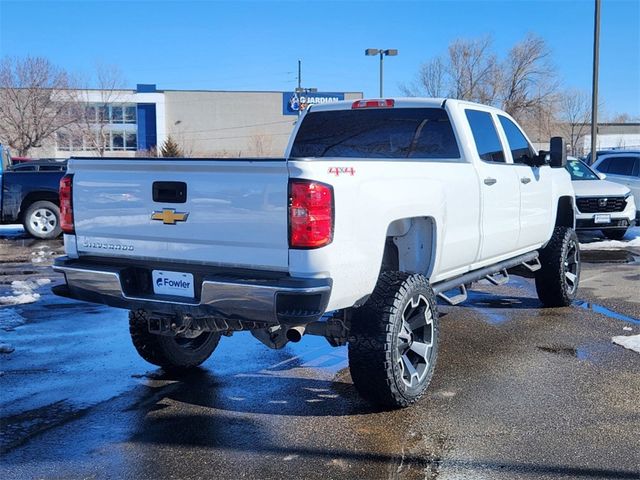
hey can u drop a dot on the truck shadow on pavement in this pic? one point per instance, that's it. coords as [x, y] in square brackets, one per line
[265, 392]
[222, 429]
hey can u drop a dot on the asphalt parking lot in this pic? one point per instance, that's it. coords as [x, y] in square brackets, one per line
[519, 391]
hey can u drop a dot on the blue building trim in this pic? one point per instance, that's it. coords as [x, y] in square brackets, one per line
[147, 132]
[146, 88]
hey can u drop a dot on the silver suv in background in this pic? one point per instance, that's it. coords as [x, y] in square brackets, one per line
[600, 204]
[621, 166]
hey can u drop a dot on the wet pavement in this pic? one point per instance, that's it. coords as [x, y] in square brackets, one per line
[519, 392]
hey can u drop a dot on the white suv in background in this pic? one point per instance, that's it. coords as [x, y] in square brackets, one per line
[600, 205]
[622, 166]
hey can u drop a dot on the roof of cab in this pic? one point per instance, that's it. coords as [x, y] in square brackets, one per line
[400, 102]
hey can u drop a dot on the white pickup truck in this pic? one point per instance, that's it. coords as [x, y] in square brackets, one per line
[377, 207]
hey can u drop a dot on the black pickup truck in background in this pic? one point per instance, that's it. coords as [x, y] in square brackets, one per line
[29, 194]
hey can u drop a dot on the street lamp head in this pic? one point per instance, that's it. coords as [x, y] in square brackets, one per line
[391, 52]
[371, 51]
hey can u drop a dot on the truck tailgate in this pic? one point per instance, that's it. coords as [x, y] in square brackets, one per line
[234, 214]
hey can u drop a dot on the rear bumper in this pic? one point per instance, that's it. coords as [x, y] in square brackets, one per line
[227, 295]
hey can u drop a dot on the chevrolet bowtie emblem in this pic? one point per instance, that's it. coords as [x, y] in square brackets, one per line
[169, 216]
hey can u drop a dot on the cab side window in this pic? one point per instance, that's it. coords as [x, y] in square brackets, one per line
[520, 148]
[485, 135]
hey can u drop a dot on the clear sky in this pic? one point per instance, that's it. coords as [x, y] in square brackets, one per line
[255, 45]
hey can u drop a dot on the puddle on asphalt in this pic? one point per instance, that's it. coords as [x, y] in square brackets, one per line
[561, 350]
[605, 311]
[608, 256]
[18, 428]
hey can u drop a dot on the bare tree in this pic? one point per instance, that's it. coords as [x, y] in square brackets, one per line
[621, 118]
[523, 82]
[529, 78]
[35, 102]
[431, 80]
[470, 69]
[468, 72]
[260, 145]
[575, 118]
[92, 130]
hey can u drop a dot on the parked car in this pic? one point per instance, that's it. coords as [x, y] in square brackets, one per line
[600, 204]
[29, 194]
[377, 207]
[622, 166]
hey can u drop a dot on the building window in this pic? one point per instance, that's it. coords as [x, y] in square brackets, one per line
[130, 114]
[114, 114]
[90, 113]
[131, 141]
[117, 115]
[103, 113]
[117, 141]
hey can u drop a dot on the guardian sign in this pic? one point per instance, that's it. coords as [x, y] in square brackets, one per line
[293, 103]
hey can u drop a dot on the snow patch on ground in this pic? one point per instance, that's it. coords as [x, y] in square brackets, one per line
[632, 342]
[23, 292]
[10, 319]
[591, 241]
[11, 230]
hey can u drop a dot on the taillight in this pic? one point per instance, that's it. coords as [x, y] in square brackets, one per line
[381, 103]
[66, 204]
[310, 214]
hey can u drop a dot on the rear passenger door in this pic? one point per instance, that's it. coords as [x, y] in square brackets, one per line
[535, 185]
[500, 191]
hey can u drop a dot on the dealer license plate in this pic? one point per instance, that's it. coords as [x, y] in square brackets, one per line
[172, 283]
[601, 218]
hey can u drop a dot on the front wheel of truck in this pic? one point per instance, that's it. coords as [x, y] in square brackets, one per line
[393, 343]
[170, 352]
[557, 280]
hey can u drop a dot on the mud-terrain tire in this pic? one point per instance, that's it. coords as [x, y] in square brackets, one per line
[42, 220]
[393, 343]
[615, 233]
[166, 351]
[557, 281]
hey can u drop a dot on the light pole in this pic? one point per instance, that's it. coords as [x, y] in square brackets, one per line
[382, 53]
[594, 82]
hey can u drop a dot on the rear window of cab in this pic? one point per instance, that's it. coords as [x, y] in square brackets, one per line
[377, 133]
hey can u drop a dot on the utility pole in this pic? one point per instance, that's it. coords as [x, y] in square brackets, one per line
[300, 90]
[594, 85]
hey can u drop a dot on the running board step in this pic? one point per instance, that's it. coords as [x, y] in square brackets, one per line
[498, 278]
[533, 266]
[493, 273]
[456, 299]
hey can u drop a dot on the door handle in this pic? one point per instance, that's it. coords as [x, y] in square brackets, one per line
[490, 181]
[525, 180]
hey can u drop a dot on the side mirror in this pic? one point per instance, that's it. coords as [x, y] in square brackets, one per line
[557, 152]
[601, 176]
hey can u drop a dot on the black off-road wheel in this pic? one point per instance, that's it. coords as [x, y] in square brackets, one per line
[615, 233]
[557, 280]
[42, 220]
[170, 352]
[393, 343]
